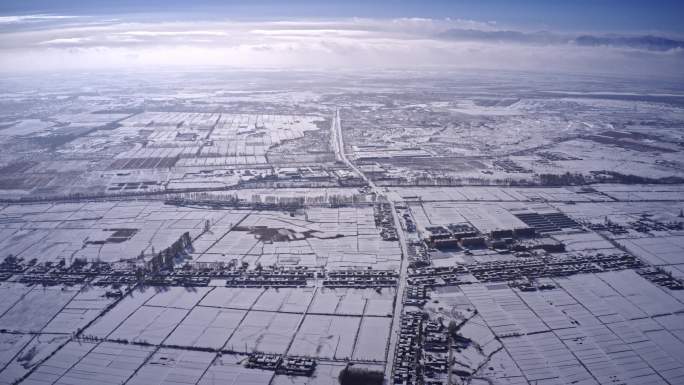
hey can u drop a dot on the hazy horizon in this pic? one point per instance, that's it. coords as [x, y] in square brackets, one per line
[494, 35]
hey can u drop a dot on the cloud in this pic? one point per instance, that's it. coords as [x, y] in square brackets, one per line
[364, 44]
[320, 33]
[66, 41]
[503, 36]
[32, 18]
[174, 33]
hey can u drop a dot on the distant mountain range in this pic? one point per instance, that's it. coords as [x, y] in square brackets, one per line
[644, 42]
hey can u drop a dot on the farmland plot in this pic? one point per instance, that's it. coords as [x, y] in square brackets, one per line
[104, 363]
[266, 332]
[23, 352]
[326, 337]
[206, 327]
[149, 324]
[232, 298]
[371, 343]
[172, 366]
[228, 370]
[36, 308]
[106, 324]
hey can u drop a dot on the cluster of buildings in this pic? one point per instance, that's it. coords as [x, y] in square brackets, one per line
[384, 220]
[454, 236]
[406, 370]
[288, 365]
[441, 276]
[524, 270]
[644, 225]
[416, 295]
[531, 285]
[510, 166]
[198, 274]
[418, 254]
[409, 223]
[309, 173]
[52, 278]
[270, 278]
[361, 279]
[465, 237]
[421, 280]
[531, 268]
[422, 353]
[49, 273]
[609, 226]
[556, 156]
[549, 245]
[190, 275]
[661, 278]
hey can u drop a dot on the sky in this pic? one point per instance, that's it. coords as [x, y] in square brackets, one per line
[629, 37]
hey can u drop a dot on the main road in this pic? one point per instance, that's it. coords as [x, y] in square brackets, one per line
[340, 155]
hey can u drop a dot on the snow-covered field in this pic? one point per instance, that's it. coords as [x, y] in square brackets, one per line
[116, 169]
